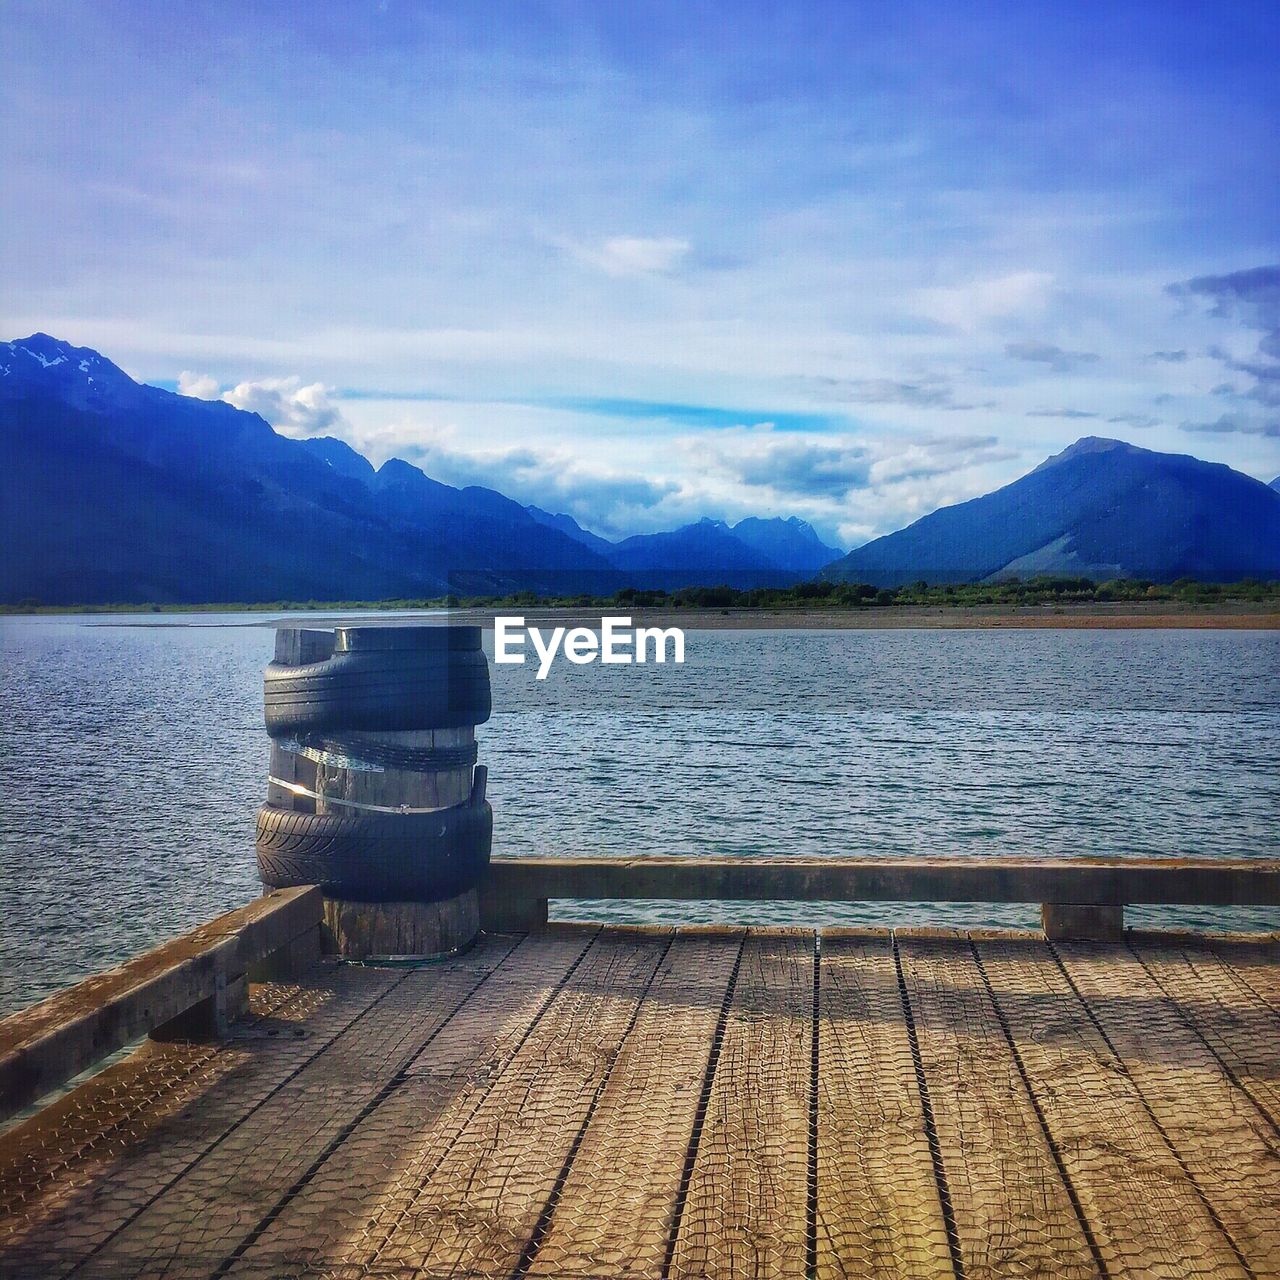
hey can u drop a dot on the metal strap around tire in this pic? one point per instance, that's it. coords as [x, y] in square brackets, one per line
[366, 756]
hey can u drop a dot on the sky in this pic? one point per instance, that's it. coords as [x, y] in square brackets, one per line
[648, 262]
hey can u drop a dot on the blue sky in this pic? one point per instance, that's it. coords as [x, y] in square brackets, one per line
[647, 262]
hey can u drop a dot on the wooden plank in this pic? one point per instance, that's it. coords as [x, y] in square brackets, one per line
[1223, 1141]
[1012, 1209]
[1145, 1215]
[44, 1046]
[1084, 881]
[136, 1170]
[1241, 1029]
[339, 1218]
[615, 1213]
[1257, 964]
[746, 1212]
[477, 1210]
[206, 1214]
[878, 1211]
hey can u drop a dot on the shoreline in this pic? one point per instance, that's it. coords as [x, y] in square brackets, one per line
[1102, 617]
[1121, 615]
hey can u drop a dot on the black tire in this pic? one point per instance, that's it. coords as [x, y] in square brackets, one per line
[379, 690]
[374, 857]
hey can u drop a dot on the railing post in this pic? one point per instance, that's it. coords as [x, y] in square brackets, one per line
[212, 1017]
[1080, 922]
[502, 913]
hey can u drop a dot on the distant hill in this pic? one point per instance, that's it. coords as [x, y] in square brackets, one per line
[754, 552]
[707, 549]
[114, 491]
[571, 528]
[790, 543]
[1275, 484]
[1100, 509]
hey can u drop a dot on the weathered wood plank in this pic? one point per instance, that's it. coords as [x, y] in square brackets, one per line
[1145, 1214]
[1257, 965]
[48, 1044]
[339, 1219]
[478, 1209]
[1084, 881]
[615, 1213]
[1240, 1028]
[1013, 1211]
[1222, 1139]
[218, 1203]
[878, 1211]
[745, 1214]
[126, 1176]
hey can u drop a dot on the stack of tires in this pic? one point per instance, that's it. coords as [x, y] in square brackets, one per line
[390, 806]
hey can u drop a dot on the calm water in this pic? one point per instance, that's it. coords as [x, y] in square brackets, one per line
[134, 759]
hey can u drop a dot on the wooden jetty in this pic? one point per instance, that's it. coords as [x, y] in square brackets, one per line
[583, 1101]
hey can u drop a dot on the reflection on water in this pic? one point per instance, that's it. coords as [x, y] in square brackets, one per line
[134, 760]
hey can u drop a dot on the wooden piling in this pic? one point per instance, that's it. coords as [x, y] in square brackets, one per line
[356, 928]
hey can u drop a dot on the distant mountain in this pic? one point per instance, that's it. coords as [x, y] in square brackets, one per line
[339, 456]
[114, 491]
[705, 552]
[1101, 509]
[1275, 484]
[571, 528]
[754, 552]
[791, 543]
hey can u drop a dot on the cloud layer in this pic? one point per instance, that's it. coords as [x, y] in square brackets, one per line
[595, 250]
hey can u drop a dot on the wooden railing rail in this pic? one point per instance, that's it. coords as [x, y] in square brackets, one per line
[1079, 897]
[192, 985]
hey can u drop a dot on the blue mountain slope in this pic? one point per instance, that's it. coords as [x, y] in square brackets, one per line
[705, 552]
[776, 550]
[111, 490]
[1101, 508]
[115, 491]
[340, 457]
[571, 528]
[790, 543]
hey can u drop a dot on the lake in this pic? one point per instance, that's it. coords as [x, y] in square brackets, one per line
[134, 759]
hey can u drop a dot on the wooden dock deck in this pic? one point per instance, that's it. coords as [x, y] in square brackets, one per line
[591, 1102]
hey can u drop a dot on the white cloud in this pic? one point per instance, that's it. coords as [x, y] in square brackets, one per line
[292, 407]
[634, 255]
[199, 385]
[974, 305]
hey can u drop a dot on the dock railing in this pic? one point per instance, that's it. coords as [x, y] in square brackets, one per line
[1080, 898]
[190, 987]
[194, 985]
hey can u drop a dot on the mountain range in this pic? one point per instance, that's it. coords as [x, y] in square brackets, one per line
[1100, 509]
[115, 491]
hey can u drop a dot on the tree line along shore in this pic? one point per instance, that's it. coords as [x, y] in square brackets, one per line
[1184, 594]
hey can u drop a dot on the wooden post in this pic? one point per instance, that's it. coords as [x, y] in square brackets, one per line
[360, 929]
[1078, 922]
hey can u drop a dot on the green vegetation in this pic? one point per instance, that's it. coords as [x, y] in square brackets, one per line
[1043, 590]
